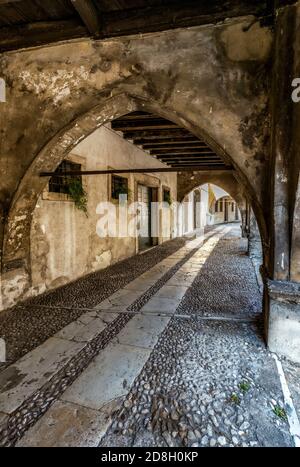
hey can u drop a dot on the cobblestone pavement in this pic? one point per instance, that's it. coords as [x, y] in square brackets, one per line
[24, 328]
[208, 383]
[188, 367]
[227, 284]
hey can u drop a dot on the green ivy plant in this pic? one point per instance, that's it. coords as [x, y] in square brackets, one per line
[78, 194]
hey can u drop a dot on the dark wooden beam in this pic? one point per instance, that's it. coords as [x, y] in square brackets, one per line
[8, 2]
[133, 125]
[194, 163]
[130, 20]
[88, 14]
[183, 14]
[40, 33]
[162, 142]
[137, 116]
[159, 152]
[187, 156]
[174, 146]
[183, 161]
[187, 159]
[125, 171]
[154, 134]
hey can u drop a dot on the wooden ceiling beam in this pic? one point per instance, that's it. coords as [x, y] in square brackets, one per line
[154, 134]
[184, 154]
[187, 156]
[89, 15]
[151, 125]
[164, 147]
[193, 164]
[166, 141]
[137, 116]
[36, 34]
[182, 14]
[190, 160]
[8, 2]
[129, 21]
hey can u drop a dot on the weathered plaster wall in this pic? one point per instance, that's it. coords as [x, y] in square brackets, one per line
[64, 243]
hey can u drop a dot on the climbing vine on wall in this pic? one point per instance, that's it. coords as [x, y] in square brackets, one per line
[78, 194]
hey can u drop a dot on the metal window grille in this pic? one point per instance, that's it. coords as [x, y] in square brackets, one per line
[58, 183]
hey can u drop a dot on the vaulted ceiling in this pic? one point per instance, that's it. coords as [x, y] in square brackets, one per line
[26, 23]
[166, 141]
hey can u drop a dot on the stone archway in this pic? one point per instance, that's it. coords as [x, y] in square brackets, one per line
[16, 245]
[229, 182]
[19, 220]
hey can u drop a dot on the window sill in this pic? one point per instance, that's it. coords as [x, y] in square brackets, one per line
[51, 196]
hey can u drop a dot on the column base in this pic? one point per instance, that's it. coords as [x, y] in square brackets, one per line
[284, 319]
[14, 285]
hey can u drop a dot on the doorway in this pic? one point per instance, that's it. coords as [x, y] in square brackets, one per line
[146, 236]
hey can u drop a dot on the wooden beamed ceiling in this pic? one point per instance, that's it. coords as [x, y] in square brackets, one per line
[28, 23]
[167, 142]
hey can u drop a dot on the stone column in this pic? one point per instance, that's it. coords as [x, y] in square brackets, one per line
[255, 250]
[282, 296]
[244, 220]
[254, 245]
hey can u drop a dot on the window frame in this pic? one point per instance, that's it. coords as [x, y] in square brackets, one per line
[114, 177]
[54, 196]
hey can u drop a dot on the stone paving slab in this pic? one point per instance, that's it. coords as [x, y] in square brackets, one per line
[67, 425]
[70, 331]
[182, 279]
[108, 377]
[107, 316]
[3, 417]
[21, 380]
[86, 318]
[153, 276]
[143, 331]
[140, 285]
[90, 331]
[172, 291]
[121, 298]
[160, 304]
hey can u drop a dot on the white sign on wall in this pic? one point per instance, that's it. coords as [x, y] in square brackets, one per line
[2, 90]
[2, 351]
[296, 92]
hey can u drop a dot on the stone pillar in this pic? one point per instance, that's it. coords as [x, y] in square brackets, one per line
[284, 319]
[282, 296]
[254, 245]
[255, 250]
[244, 225]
